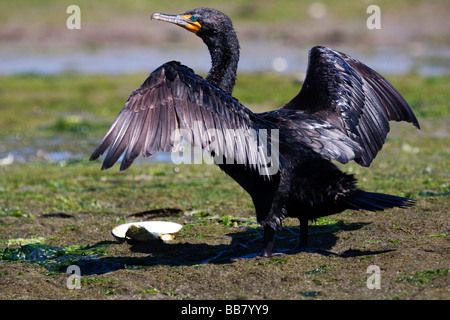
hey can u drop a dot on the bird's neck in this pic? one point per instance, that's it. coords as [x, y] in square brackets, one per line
[224, 59]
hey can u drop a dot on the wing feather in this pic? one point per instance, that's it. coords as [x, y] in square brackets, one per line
[174, 101]
[353, 98]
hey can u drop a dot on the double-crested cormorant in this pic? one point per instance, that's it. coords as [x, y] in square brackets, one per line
[341, 113]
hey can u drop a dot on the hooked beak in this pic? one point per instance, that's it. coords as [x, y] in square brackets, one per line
[180, 20]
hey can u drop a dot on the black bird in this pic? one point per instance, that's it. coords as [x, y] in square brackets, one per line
[341, 113]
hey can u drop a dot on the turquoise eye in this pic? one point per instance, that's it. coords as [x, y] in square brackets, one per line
[193, 18]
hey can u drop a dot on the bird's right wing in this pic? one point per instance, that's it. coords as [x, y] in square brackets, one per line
[174, 102]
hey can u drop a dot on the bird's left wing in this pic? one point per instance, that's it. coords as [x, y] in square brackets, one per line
[322, 137]
[346, 93]
[174, 102]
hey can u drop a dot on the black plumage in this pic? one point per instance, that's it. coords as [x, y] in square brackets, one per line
[341, 113]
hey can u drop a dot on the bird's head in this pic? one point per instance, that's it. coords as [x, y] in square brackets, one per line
[204, 22]
[216, 31]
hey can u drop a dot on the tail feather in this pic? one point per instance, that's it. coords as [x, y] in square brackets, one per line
[377, 201]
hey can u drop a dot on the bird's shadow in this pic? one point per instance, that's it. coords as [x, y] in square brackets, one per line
[244, 244]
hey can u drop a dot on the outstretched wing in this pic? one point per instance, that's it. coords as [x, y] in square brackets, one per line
[174, 102]
[322, 137]
[352, 97]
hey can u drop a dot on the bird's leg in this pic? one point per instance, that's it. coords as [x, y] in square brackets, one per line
[303, 236]
[269, 238]
[303, 241]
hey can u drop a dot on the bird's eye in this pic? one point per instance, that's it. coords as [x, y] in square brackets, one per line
[193, 18]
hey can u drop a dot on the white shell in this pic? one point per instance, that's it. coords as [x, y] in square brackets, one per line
[159, 229]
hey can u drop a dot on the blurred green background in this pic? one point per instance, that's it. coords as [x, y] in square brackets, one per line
[66, 83]
[41, 24]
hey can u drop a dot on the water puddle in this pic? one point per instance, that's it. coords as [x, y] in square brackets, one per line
[38, 150]
[311, 294]
[256, 56]
[30, 154]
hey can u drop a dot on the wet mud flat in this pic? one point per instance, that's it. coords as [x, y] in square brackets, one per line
[397, 254]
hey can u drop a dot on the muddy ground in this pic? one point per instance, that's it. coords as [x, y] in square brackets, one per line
[70, 211]
[209, 261]
[54, 215]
